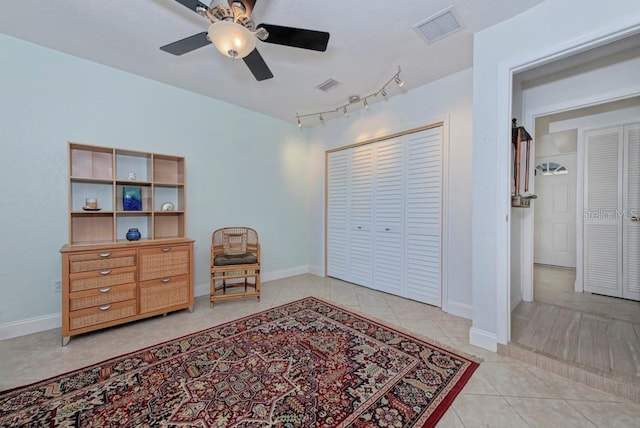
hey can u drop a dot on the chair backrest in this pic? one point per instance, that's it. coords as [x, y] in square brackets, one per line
[234, 240]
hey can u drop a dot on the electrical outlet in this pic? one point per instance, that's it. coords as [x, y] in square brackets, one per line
[57, 286]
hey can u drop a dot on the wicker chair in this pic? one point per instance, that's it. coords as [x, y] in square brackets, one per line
[235, 263]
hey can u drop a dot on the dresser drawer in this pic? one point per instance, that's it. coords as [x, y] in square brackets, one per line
[161, 294]
[101, 278]
[100, 260]
[102, 296]
[102, 314]
[164, 262]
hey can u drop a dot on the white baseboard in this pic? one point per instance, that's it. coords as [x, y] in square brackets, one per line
[515, 300]
[203, 289]
[316, 270]
[459, 309]
[30, 325]
[284, 273]
[48, 322]
[483, 339]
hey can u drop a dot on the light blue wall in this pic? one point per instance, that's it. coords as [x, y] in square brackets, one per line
[243, 168]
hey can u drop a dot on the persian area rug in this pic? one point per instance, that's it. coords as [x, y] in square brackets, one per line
[304, 364]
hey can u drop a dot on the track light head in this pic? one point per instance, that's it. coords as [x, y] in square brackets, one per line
[321, 119]
[383, 92]
[366, 104]
[298, 119]
[345, 111]
[398, 81]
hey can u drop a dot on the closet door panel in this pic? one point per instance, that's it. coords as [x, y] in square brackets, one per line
[423, 216]
[389, 217]
[337, 214]
[603, 203]
[631, 211]
[360, 213]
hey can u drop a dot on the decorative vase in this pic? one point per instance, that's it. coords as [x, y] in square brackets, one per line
[133, 234]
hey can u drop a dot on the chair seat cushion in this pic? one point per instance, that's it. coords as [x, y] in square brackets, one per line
[235, 259]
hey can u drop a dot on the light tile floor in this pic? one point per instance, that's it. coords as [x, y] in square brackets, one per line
[503, 392]
[555, 285]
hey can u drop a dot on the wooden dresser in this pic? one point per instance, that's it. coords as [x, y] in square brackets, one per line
[106, 285]
[108, 279]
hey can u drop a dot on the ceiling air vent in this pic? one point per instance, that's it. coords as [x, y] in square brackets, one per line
[327, 84]
[439, 25]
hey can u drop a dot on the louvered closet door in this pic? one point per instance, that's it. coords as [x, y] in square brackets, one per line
[423, 229]
[631, 218]
[360, 213]
[388, 274]
[337, 213]
[603, 204]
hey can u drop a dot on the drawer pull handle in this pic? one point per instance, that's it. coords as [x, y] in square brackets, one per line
[165, 249]
[165, 280]
[105, 254]
[105, 272]
[105, 307]
[105, 290]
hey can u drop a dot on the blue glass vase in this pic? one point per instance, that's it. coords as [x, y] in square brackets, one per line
[133, 234]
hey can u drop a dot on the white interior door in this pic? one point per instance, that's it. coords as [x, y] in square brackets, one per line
[555, 210]
[602, 205]
[360, 214]
[337, 209]
[384, 215]
[389, 217]
[423, 218]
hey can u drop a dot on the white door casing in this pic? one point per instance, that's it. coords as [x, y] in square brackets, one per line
[631, 211]
[555, 212]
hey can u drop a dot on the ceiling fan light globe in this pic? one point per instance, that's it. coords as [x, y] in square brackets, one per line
[231, 39]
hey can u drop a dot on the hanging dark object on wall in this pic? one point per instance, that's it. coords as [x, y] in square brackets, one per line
[520, 137]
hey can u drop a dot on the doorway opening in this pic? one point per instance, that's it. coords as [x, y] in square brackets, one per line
[554, 318]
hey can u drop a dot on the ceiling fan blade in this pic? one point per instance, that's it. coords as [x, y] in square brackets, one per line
[257, 66]
[248, 6]
[192, 4]
[187, 45]
[296, 37]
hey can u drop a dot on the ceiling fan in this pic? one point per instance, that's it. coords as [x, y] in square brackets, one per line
[233, 32]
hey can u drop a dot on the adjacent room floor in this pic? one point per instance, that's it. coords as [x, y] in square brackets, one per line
[599, 333]
[502, 392]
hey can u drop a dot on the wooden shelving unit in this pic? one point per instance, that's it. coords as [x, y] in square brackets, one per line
[106, 279]
[102, 173]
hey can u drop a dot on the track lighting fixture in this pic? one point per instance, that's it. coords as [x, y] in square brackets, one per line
[354, 100]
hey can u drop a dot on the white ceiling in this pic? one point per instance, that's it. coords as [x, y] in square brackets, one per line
[369, 40]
